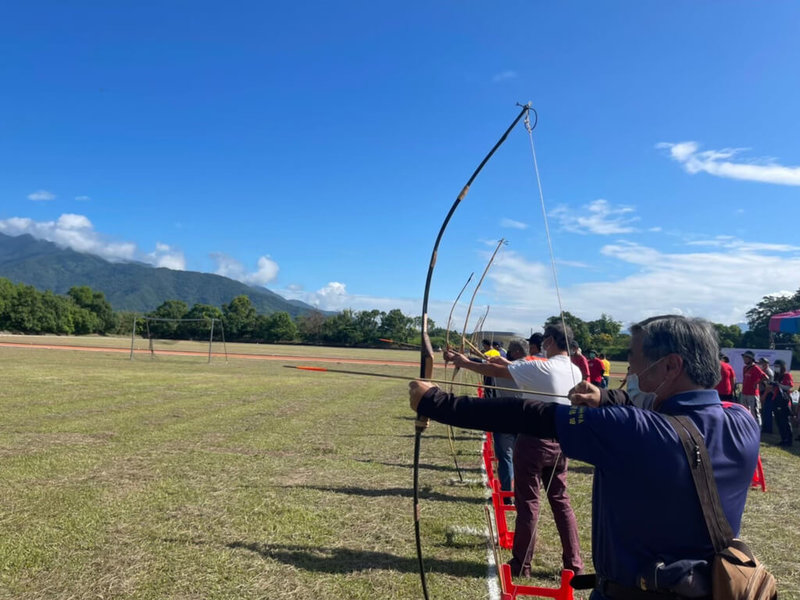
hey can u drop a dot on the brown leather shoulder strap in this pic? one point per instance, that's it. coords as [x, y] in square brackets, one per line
[700, 466]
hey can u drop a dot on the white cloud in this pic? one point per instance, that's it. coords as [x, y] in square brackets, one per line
[334, 296]
[715, 162]
[572, 263]
[512, 224]
[504, 76]
[41, 196]
[168, 257]
[712, 282]
[82, 198]
[598, 217]
[77, 232]
[70, 221]
[267, 271]
[731, 243]
[228, 266]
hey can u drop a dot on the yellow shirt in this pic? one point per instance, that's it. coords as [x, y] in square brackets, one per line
[606, 366]
[491, 352]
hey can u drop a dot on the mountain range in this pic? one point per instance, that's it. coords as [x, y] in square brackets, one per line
[130, 286]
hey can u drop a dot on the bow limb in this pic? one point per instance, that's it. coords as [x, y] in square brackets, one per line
[451, 437]
[450, 431]
[478, 328]
[426, 352]
[450, 316]
[475, 293]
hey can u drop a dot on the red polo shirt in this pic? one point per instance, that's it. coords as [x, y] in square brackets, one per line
[579, 360]
[596, 370]
[725, 385]
[750, 377]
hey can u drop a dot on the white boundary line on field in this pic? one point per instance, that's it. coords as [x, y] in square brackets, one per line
[491, 573]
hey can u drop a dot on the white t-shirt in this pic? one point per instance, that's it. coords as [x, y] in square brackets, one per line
[556, 375]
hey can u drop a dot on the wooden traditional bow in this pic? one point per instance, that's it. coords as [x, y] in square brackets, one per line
[426, 351]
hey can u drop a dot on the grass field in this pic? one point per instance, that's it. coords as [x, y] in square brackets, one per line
[173, 478]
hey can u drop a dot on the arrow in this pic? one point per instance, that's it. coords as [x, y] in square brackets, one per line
[405, 378]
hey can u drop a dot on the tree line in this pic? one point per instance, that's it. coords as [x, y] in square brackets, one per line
[82, 311]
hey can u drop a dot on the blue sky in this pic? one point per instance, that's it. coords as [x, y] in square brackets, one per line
[315, 148]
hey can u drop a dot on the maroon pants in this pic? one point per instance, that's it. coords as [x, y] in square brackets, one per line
[539, 463]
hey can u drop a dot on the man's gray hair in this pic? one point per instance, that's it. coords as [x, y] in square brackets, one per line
[517, 347]
[694, 340]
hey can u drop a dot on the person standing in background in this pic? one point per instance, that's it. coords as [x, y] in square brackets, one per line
[751, 377]
[727, 382]
[606, 368]
[780, 401]
[596, 370]
[578, 359]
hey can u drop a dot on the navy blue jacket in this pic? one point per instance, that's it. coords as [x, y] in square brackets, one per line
[647, 524]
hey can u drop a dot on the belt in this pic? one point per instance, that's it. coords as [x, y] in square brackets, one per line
[615, 591]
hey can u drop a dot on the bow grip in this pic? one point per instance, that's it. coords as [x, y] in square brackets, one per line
[425, 372]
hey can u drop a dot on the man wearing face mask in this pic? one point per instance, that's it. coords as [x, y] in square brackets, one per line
[538, 460]
[648, 529]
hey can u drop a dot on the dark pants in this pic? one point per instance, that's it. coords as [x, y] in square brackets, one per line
[540, 462]
[782, 418]
[767, 410]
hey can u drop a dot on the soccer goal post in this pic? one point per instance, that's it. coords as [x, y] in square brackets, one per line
[155, 329]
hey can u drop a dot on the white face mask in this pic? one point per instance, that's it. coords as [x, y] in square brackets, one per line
[639, 398]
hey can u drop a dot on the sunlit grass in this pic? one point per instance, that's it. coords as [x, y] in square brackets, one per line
[173, 478]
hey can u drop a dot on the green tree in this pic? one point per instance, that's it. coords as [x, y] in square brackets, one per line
[605, 324]
[340, 329]
[171, 309]
[240, 318]
[24, 309]
[601, 341]
[84, 321]
[758, 317]
[277, 327]
[125, 322]
[309, 327]
[368, 325]
[95, 302]
[580, 329]
[200, 330]
[396, 326]
[8, 293]
[730, 336]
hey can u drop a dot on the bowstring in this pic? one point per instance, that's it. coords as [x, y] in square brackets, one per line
[529, 128]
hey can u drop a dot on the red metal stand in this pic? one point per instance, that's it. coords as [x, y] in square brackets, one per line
[758, 476]
[488, 458]
[504, 537]
[511, 591]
